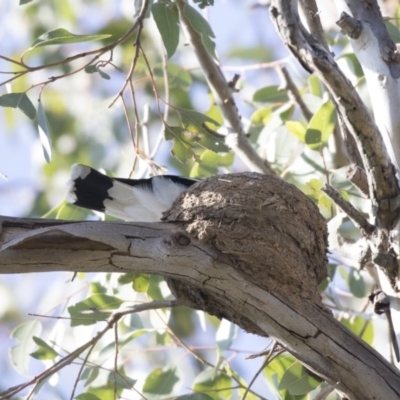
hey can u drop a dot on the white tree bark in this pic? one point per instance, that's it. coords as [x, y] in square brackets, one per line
[378, 57]
[376, 53]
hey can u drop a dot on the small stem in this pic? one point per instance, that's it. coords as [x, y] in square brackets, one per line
[359, 220]
[294, 94]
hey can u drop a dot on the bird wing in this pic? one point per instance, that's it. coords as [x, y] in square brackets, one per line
[128, 199]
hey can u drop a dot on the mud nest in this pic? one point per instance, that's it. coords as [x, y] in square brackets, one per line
[270, 230]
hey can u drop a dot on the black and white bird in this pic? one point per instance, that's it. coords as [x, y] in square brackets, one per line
[129, 199]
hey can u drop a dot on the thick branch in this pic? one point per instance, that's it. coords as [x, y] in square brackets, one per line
[236, 138]
[311, 13]
[306, 330]
[382, 181]
[379, 59]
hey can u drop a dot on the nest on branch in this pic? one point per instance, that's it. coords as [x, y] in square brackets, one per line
[270, 231]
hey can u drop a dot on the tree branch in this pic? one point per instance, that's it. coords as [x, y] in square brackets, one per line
[311, 13]
[383, 187]
[305, 329]
[359, 220]
[294, 94]
[379, 59]
[236, 138]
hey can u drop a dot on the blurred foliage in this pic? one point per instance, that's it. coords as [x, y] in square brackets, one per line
[176, 127]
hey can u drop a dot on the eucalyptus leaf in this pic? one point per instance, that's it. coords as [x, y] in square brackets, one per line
[93, 309]
[44, 352]
[18, 100]
[166, 17]
[62, 36]
[24, 334]
[201, 25]
[321, 126]
[181, 148]
[161, 381]
[297, 380]
[270, 94]
[44, 132]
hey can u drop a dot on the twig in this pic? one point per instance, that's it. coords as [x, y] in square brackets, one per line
[236, 138]
[98, 52]
[81, 370]
[313, 21]
[115, 317]
[357, 176]
[360, 221]
[294, 94]
[269, 358]
[324, 393]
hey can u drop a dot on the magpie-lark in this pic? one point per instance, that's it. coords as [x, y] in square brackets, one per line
[128, 199]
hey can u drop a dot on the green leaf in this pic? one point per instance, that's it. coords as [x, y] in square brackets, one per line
[106, 392]
[315, 85]
[22, 2]
[270, 94]
[91, 69]
[121, 379]
[92, 375]
[360, 327]
[44, 352]
[297, 380]
[393, 31]
[97, 287]
[67, 211]
[353, 61]
[181, 148]
[357, 284]
[194, 396]
[161, 381]
[209, 163]
[87, 396]
[315, 186]
[194, 123]
[141, 283]
[18, 100]
[321, 126]
[297, 129]
[325, 202]
[204, 3]
[177, 76]
[277, 367]
[166, 17]
[93, 309]
[138, 4]
[44, 132]
[104, 75]
[24, 334]
[200, 25]
[215, 385]
[62, 36]
[257, 53]
[127, 278]
[313, 138]
[261, 116]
